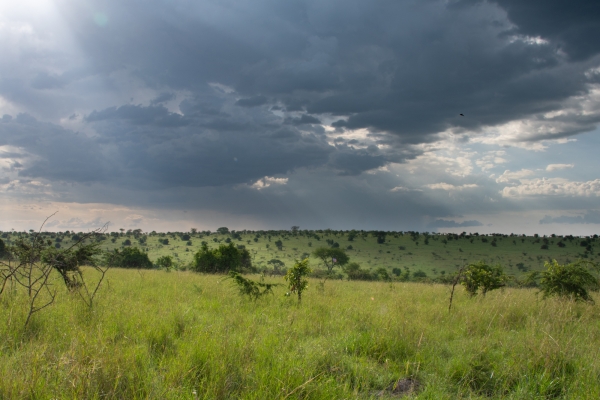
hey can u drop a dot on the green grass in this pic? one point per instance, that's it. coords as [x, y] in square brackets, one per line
[159, 335]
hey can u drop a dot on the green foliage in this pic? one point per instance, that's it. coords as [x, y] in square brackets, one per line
[247, 287]
[572, 280]
[296, 278]
[223, 259]
[165, 262]
[223, 230]
[482, 276]
[2, 248]
[129, 257]
[68, 262]
[331, 257]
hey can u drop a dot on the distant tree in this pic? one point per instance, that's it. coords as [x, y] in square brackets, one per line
[279, 244]
[2, 248]
[419, 274]
[127, 242]
[295, 229]
[277, 265]
[164, 262]
[223, 259]
[129, 257]
[331, 257]
[223, 230]
[185, 237]
[380, 236]
[356, 273]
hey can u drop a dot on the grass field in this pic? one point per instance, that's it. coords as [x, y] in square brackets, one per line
[181, 335]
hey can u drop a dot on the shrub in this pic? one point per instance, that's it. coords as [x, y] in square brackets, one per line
[129, 257]
[482, 276]
[223, 259]
[296, 278]
[570, 280]
[250, 288]
[165, 262]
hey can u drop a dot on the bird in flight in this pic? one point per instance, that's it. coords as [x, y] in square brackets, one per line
[462, 115]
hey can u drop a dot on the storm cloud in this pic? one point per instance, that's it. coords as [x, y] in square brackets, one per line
[423, 102]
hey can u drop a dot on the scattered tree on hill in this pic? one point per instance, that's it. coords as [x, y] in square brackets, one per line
[223, 230]
[331, 257]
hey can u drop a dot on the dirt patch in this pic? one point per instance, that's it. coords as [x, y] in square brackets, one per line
[402, 387]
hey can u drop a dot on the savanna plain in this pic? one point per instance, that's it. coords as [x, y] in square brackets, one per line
[175, 333]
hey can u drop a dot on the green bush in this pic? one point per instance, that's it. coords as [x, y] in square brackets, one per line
[129, 257]
[164, 262]
[570, 280]
[482, 276]
[296, 277]
[223, 259]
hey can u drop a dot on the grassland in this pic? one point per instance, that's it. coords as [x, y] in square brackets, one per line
[167, 335]
[432, 253]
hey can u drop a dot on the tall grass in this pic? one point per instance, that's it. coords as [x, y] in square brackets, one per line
[166, 335]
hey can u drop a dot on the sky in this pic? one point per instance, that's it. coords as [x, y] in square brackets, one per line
[426, 115]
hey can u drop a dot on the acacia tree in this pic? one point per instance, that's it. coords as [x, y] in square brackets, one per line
[482, 276]
[572, 281]
[31, 260]
[331, 257]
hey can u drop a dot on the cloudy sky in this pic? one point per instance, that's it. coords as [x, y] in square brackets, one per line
[263, 114]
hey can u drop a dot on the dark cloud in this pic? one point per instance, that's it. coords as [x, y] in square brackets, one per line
[444, 223]
[252, 101]
[53, 152]
[304, 119]
[395, 67]
[571, 25]
[590, 217]
[162, 98]
[138, 115]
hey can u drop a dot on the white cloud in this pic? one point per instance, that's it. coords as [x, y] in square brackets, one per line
[514, 176]
[553, 187]
[268, 181]
[554, 167]
[577, 114]
[449, 187]
[404, 189]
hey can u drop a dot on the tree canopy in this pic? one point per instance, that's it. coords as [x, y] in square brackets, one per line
[223, 259]
[331, 257]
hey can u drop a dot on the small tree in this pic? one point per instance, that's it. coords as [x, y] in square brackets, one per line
[331, 257]
[482, 276]
[296, 278]
[165, 262]
[569, 281]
